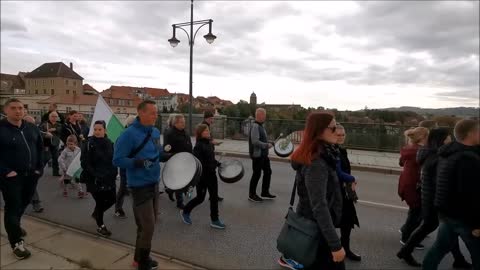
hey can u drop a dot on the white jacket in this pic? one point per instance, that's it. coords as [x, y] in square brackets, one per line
[66, 158]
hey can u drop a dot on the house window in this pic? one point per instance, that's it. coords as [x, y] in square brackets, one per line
[74, 83]
[112, 101]
[69, 109]
[52, 82]
[52, 92]
[36, 92]
[130, 103]
[74, 92]
[66, 82]
[44, 81]
[118, 110]
[67, 91]
[92, 109]
[44, 91]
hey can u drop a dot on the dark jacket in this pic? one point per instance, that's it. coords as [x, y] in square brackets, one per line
[427, 158]
[179, 140]
[21, 148]
[47, 115]
[205, 152]
[343, 169]
[96, 160]
[71, 129]
[410, 177]
[57, 134]
[458, 185]
[320, 197]
[258, 141]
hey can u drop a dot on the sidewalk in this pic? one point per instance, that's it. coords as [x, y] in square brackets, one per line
[58, 247]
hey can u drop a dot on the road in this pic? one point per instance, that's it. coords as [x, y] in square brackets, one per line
[249, 242]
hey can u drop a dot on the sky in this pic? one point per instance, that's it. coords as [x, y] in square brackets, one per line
[338, 54]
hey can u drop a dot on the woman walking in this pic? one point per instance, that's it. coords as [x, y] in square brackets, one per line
[427, 157]
[100, 174]
[347, 185]
[409, 182]
[320, 198]
[204, 151]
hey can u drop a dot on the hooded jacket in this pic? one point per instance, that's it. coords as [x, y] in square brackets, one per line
[457, 194]
[130, 139]
[409, 180]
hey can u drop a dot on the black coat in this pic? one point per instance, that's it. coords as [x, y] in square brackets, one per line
[179, 140]
[349, 213]
[96, 160]
[458, 186]
[71, 129]
[47, 115]
[428, 160]
[204, 151]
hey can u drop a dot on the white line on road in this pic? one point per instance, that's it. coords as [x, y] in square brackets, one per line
[383, 204]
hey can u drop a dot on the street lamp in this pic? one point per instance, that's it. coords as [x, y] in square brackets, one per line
[191, 38]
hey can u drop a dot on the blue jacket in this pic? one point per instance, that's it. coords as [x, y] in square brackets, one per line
[343, 176]
[128, 141]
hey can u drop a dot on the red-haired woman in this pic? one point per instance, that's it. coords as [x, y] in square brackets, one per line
[318, 187]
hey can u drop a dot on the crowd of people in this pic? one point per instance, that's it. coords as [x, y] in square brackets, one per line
[439, 182]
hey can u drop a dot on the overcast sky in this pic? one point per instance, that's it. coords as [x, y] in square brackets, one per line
[338, 54]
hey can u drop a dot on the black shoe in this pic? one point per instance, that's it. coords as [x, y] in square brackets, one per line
[120, 214]
[268, 196]
[255, 198]
[170, 195]
[409, 259]
[220, 199]
[24, 233]
[352, 256]
[103, 231]
[20, 251]
[417, 247]
[462, 264]
[153, 264]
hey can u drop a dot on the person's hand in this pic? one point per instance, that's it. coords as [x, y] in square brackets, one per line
[48, 135]
[270, 145]
[12, 174]
[52, 129]
[354, 185]
[37, 172]
[142, 163]
[339, 255]
[476, 233]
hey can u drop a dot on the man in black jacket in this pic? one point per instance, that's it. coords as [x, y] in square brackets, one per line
[53, 108]
[457, 195]
[20, 168]
[176, 140]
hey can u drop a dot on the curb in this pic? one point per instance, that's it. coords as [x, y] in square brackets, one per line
[114, 242]
[391, 171]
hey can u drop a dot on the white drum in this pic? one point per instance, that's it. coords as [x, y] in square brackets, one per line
[181, 171]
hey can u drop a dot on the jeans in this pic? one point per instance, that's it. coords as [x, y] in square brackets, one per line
[104, 199]
[17, 193]
[414, 219]
[145, 210]
[260, 164]
[209, 183]
[447, 236]
[122, 190]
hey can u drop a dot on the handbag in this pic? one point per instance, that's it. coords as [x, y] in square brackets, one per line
[299, 237]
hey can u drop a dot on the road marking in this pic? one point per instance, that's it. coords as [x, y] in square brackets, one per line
[383, 204]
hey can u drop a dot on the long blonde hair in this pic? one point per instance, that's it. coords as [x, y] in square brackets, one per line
[416, 135]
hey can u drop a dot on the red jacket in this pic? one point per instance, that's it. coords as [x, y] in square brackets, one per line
[410, 176]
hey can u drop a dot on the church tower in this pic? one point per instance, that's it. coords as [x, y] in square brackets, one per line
[253, 103]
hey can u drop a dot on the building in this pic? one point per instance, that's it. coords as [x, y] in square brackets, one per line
[10, 86]
[66, 102]
[53, 79]
[253, 103]
[89, 90]
[167, 103]
[122, 99]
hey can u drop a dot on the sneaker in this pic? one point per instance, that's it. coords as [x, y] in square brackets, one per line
[120, 214]
[103, 231]
[417, 247]
[37, 208]
[81, 195]
[289, 263]
[20, 251]
[255, 198]
[268, 196]
[186, 218]
[217, 224]
[153, 264]
[24, 233]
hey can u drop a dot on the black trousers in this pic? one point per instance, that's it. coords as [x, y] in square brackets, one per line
[122, 190]
[324, 258]
[260, 164]
[104, 199]
[17, 193]
[429, 224]
[145, 210]
[51, 152]
[414, 218]
[209, 183]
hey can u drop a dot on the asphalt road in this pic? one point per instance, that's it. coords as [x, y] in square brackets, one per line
[249, 242]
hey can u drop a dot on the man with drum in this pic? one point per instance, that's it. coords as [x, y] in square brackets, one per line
[177, 140]
[208, 119]
[258, 148]
[138, 150]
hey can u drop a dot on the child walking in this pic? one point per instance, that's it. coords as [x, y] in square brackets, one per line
[204, 151]
[64, 160]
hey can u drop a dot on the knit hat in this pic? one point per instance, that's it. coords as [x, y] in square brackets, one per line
[207, 114]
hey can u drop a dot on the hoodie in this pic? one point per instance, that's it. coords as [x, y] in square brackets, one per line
[458, 183]
[130, 139]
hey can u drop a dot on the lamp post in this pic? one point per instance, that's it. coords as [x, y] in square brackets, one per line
[191, 38]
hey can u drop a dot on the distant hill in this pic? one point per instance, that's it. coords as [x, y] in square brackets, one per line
[457, 111]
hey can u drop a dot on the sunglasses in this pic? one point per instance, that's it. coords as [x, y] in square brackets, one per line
[333, 129]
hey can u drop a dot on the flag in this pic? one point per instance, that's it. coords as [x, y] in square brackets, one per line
[114, 129]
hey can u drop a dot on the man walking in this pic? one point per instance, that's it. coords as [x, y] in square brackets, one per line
[457, 195]
[208, 119]
[258, 148]
[52, 131]
[138, 150]
[20, 168]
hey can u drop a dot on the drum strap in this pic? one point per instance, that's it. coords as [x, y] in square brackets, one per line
[141, 146]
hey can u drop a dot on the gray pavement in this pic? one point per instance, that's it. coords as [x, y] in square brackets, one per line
[249, 242]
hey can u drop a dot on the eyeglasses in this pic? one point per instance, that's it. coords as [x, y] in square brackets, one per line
[333, 129]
